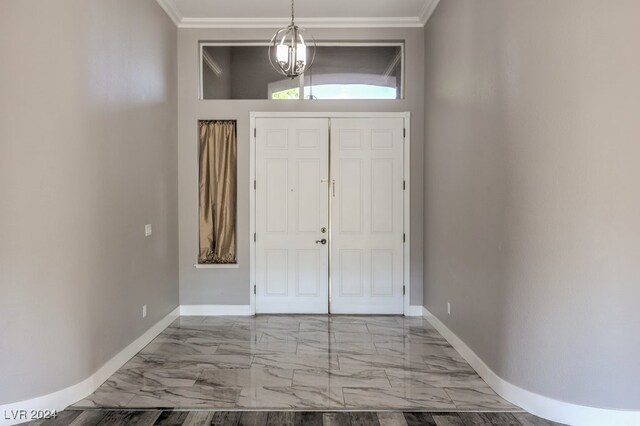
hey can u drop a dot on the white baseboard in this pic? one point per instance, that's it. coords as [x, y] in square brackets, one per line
[58, 401]
[245, 310]
[413, 311]
[539, 405]
[211, 310]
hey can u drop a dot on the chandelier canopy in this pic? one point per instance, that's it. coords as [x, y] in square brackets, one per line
[289, 53]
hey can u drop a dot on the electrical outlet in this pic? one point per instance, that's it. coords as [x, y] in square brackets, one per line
[144, 311]
[449, 308]
[147, 230]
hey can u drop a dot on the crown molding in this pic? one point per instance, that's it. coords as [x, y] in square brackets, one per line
[169, 6]
[304, 22]
[427, 11]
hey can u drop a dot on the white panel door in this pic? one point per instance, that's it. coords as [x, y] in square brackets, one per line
[367, 249]
[291, 210]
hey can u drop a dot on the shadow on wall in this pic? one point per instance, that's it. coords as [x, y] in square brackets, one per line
[531, 215]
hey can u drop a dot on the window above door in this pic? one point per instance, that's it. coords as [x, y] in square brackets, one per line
[371, 70]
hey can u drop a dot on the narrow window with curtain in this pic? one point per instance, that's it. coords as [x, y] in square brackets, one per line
[218, 192]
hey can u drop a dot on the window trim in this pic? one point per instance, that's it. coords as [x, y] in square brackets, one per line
[203, 44]
[216, 266]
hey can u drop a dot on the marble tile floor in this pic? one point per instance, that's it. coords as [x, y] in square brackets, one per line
[287, 362]
[286, 418]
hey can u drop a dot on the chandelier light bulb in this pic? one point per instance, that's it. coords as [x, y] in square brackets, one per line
[301, 51]
[283, 54]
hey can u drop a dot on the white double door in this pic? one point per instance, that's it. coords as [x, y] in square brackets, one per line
[329, 215]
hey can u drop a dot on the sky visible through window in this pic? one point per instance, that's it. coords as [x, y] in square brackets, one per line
[340, 91]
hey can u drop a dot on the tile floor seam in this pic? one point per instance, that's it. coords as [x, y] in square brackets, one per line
[254, 345]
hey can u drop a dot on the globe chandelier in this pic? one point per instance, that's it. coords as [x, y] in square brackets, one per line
[289, 53]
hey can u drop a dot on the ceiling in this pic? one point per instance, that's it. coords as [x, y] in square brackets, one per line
[310, 13]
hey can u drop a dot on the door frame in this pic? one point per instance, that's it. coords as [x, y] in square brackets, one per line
[407, 193]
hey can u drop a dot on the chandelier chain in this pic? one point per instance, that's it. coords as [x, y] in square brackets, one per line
[292, 14]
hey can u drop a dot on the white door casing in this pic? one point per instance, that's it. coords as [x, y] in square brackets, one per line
[291, 209]
[370, 212]
[367, 248]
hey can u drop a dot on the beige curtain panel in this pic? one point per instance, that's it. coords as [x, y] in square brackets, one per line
[218, 172]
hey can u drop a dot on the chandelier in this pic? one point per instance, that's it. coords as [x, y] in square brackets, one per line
[289, 54]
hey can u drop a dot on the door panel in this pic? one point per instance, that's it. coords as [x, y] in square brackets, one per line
[308, 212]
[292, 207]
[367, 249]
[277, 182]
[349, 205]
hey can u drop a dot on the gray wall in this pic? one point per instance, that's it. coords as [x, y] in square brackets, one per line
[231, 286]
[532, 217]
[87, 157]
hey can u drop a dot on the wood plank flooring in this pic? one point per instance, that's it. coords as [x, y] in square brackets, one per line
[288, 418]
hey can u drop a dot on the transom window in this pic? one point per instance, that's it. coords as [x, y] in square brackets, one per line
[340, 71]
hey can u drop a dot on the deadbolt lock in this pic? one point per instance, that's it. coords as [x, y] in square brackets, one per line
[323, 230]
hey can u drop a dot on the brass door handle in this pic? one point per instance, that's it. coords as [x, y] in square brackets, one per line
[322, 241]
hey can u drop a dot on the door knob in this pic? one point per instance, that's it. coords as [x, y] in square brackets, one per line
[322, 241]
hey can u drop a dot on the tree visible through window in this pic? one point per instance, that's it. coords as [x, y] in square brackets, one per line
[287, 94]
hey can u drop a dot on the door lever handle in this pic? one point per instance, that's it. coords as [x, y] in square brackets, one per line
[322, 241]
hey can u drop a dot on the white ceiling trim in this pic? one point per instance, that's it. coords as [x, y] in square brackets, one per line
[172, 10]
[427, 11]
[303, 22]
